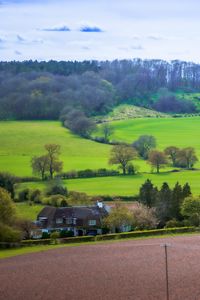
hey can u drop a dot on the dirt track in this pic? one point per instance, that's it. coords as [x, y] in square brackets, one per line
[122, 270]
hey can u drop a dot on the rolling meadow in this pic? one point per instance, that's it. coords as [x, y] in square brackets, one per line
[20, 141]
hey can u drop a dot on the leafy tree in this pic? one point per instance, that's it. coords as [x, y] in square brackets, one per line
[7, 208]
[107, 131]
[122, 155]
[55, 187]
[144, 144]
[7, 181]
[186, 190]
[118, 217]
[157, 159]
[148, 193]
[163, 204]
[187, 157]
[53, 151]
[191, 209]
[177, 199]
[40, 165]
[144, 218]
[172, 153]
[83, 127]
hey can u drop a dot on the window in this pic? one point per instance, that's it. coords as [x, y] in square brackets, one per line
[92, 222]
[69, 221]
[59, 221]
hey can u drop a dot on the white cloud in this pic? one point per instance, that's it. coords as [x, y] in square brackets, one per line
[148, 28]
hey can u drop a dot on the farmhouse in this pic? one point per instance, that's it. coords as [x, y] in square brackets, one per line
[80, 220]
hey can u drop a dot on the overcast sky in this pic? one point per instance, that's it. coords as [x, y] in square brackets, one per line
[99, 29]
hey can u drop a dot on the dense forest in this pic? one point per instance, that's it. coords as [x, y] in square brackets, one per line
[47, 90]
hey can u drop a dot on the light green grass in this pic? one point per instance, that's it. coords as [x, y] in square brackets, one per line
[20, 141]
[25, 211]
[124, 185]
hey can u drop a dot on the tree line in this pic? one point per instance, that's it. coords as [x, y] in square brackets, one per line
[50, 90]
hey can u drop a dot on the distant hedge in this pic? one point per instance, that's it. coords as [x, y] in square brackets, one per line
[112, 236]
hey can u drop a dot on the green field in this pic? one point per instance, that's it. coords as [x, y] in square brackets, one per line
[25, 211]
[20, 141]
[124, 185]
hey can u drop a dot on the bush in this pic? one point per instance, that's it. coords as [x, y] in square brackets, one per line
[35, 196]
[45, 235]
[9, 234]
[56, 200]
[66, 233]
[173, 223]
[24, 195]
[57, 189]
[54, 236]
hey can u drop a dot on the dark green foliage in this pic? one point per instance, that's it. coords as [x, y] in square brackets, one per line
[9, 234]
[35, 196]
[170, 104]
[24, 195]
[88, 173]
[57, 189]
[186, 190]
[48, 90]
[66, 233]
[163, 204]
[7, 182]
[148, 194]
[45, 235]
[177, 199]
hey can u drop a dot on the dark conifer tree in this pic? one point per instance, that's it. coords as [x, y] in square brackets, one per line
[148, 193]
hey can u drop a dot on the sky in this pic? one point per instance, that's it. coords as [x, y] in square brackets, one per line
[99, 29]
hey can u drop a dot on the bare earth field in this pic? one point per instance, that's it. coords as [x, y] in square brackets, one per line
[120, 270]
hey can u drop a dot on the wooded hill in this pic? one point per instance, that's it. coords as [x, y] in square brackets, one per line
[46, 90]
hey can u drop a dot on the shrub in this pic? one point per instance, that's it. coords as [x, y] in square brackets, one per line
[9, 234]
[24, 195]
[54, 236]
[45, 235]
[173, 223]
[66, 233]
[56, 200]
[35, 196]
[57, 189]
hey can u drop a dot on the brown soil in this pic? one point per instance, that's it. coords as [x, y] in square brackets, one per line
[121, 270]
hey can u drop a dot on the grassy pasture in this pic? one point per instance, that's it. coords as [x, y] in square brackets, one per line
[25, 211]
[124, 185]
[20, 141]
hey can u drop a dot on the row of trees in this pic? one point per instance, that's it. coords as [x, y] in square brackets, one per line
[157, 208]
[48, 90]
[123, 155]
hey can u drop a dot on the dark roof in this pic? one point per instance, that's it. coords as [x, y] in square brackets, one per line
[81, 213]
